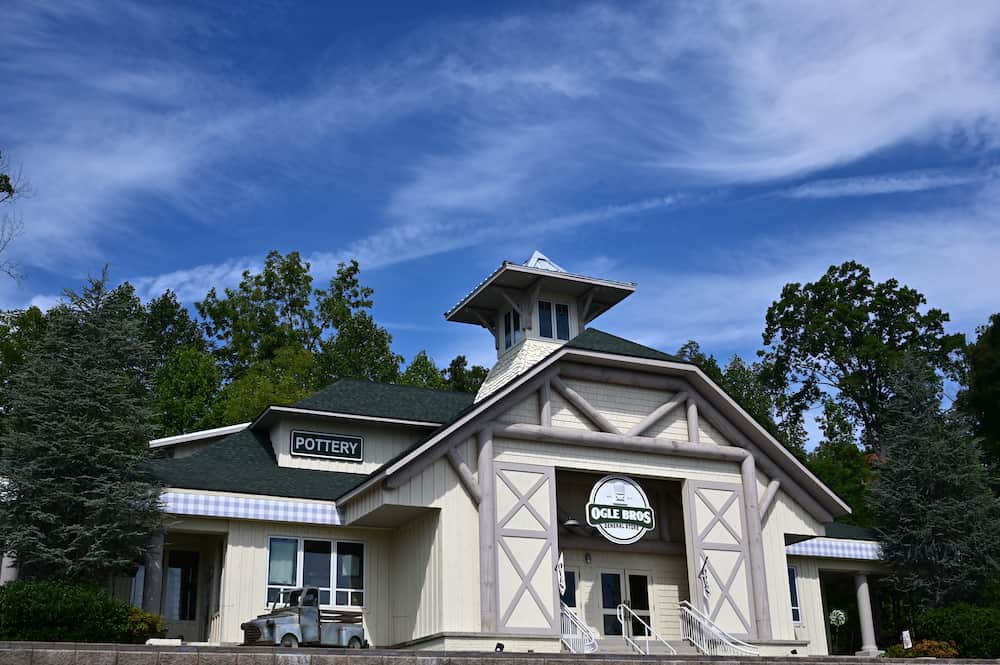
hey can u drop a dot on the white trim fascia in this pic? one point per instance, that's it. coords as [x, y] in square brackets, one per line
[197, 436]
[615, 360]
[336, 415]
[451, 427]
[540, 272]
[685, 368]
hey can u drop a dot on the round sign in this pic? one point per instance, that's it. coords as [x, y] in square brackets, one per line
[619, 510]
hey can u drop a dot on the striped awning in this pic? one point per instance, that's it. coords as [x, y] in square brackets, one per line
[837, 548]
[250, 508]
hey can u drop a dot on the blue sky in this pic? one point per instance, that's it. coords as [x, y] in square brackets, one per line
[710, 152]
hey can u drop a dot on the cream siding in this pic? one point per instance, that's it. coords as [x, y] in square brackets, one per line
[382, 442]
[415, 579]
[244, 582]
[614, 461]
[813, 625]
[667, 585]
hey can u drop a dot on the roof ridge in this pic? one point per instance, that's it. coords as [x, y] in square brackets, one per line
[391, 385]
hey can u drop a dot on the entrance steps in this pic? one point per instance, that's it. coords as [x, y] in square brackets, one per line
[617, 645]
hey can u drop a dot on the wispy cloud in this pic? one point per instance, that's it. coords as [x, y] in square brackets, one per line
[948, 253]
[895, 183]
[537, 106]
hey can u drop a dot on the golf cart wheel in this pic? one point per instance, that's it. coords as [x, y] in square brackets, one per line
[290, 642]
[354, 643]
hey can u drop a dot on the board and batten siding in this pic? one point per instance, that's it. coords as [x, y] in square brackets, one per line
[786, 517]
[454, 606]
[244, 578]
[382, 442]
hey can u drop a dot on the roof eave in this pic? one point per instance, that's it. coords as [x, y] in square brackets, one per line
[269, 414]
[627, 287]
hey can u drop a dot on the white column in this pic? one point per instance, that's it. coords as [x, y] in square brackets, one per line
[868, 646]
[8, 569]
[487, 535]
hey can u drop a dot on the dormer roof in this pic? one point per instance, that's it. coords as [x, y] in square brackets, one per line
[539, 271]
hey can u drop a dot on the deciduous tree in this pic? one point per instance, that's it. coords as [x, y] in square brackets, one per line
[75, 501]
[844, 335]
[462, 378]
[424, 373]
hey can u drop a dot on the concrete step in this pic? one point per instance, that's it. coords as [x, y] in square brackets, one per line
[617, 645]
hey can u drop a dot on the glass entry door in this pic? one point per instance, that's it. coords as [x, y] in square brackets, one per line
[624, 587]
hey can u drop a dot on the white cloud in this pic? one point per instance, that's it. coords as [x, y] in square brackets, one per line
[538, 108]
[948, 254]
[893, 183]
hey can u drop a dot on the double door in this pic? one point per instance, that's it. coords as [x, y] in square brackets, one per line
[629, 588]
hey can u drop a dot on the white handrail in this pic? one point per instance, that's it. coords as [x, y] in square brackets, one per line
[708, 638]
[622, 610]
[576, 635]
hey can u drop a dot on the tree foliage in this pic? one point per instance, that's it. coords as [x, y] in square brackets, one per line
[281, 380]
[845, 335]
[462, 378]
[424, 373]
[185, 387]
[940, 523]
[10, 225]
[75, 502]
[841, 465]
[981, 397]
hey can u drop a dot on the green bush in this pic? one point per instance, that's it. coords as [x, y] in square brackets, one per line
[975, 630]
[923, 649]
[62, 612]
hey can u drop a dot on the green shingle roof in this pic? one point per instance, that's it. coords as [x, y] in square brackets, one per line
[383, 400]
[851, 531]
[244, 462]
[592, 339]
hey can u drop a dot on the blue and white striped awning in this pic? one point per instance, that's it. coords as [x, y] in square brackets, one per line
[251, 508]
[837, 548]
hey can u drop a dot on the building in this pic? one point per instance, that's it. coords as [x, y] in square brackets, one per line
[441, 517]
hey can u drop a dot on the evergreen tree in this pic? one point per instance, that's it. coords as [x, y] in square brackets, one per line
[423, 372]
[981, 397]
[940, 522]
[76, 502]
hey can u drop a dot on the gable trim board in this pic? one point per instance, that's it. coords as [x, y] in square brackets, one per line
[772, 458]
[270, 412]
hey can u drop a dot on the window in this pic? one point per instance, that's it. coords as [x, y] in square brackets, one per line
[181, 594]
[546, 324]
[511, 329]
[562, 321]
[793, 589]
[569, 598]
[544, 319]
[336, 568]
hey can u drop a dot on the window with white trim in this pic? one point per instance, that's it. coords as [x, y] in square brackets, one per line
[793, 590]
[553, 318]
[511, 329]
[335, 567]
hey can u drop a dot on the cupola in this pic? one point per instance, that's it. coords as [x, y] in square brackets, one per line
[532, 308]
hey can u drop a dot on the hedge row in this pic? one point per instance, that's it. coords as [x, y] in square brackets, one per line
[62, 612]
[974, 630]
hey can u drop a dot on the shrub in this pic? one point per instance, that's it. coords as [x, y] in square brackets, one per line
[923, 649]
[63, 612]
[143, 625]
[975, 630]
